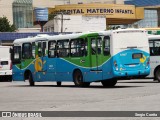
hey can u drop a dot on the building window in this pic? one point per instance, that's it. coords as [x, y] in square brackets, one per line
[150, 19]
[22, 13]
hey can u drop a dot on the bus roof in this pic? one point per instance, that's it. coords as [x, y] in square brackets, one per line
[73, 35]
[153, 37]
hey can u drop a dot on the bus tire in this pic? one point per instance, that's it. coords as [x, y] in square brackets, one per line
[31, 82]
[59, 84]
[157, 74]
[78, 79]
[109, 83]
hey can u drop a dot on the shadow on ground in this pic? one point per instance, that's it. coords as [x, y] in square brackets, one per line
[73, 86]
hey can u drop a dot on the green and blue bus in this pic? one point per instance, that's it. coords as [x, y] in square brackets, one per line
[82, 58]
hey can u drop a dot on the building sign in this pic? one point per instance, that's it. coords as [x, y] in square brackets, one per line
[97, 11]
[110, 11]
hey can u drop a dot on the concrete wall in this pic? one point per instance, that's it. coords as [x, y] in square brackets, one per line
[6, 9]
[47, 3]
[95, 1]
[52, 3]
[6, 5]
[79, 23]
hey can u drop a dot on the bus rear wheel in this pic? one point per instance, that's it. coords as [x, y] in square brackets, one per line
[31, 82]
[157, 74]
[78, 79]
[109, 83]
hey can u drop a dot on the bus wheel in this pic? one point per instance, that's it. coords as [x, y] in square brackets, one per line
[31, 82]
[59, 83]
[78, 79]
[157, 74]
[109, 83]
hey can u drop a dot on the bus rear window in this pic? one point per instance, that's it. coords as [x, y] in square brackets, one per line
[137, 55]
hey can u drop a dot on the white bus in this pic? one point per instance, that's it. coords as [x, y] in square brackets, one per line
[154, 44]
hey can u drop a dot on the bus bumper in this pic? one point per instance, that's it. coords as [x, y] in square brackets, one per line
[137, 73]
[17, 76]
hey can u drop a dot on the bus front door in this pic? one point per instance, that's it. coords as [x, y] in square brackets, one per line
[41, 62]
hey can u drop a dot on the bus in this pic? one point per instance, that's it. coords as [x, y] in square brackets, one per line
[154, 44]
[82, 58]
[153, 31]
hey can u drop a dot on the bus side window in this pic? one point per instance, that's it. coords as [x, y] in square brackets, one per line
[33, 50]
[63, 48]
[106, 45]
[16, 55]
[154, 48]
[44, 49]
[93, 46]
[27, 51]
[78, 47]
[99, 44]
[39, 49]
[52, 49]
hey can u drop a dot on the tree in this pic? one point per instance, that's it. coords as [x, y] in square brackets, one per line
[51, 16]
[5, 25]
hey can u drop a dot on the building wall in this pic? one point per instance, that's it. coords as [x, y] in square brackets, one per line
[47, 3]
[108, 10]
[52, 3]
[115, 14]
[6, 9]
[79, 23]
[95, 1]
[90, 1]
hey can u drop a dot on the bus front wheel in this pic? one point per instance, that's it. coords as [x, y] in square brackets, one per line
[31, 82]
[109, 83]
[78, 79]
[157, 74]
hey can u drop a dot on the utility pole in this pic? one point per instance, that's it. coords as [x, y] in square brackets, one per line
[61, 22]
[61, 13]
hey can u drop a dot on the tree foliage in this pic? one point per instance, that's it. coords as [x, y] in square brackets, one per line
[51, 16]
[5, 25]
